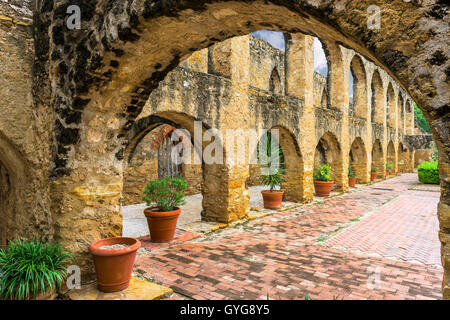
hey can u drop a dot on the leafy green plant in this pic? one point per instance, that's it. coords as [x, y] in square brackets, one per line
[428, 172]
[389, 166]
[28, 268]
[421, 121]
[166, 193]
[435, 154]
[275, 174]
[350, 172]
[373, 169]
[323, 173]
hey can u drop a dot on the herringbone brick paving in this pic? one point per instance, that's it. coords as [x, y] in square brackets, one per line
[280, 255]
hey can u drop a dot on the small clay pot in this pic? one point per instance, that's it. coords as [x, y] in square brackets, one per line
[387, 172]
[114, 266]
[272, 199]
[161, 225]
[323, 188]
[373, 176]
[352, 182]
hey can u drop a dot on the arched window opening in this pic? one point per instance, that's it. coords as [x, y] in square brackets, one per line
[390, 107]
[275, 82]
[357, 89]
[377, 103]
[321, 70]
[351, 89]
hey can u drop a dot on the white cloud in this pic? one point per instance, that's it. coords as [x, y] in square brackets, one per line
[320, 60]
[276, 39]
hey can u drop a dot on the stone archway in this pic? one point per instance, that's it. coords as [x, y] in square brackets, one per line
[390, 107]
[293, 165]
[359, 88]
[378, 159]
[328, 151]
[377, 98]
[291, 161]
[108, 57]
[206, 158]
[358, 160]
[391, 156]
[149, 161]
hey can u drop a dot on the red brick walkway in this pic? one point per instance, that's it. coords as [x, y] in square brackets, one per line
[280, 255]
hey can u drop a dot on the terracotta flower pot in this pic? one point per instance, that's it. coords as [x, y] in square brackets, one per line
[161, 225]
[113, 266]
[272, 199]
[352, 182]
[387, 172]
[373, 176]
[398, 170]
[323, 188]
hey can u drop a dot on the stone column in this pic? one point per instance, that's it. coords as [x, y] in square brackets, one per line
[365, 176]
[86, 200]
[338, 79]
[396, 140]
[299, 59]
[226, 197]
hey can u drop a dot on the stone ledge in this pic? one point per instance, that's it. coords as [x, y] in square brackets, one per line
[139, 289]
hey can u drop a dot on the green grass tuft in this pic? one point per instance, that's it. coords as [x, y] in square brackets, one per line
[28, 268]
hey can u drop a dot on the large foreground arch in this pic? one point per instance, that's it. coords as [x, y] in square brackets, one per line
[110, 67]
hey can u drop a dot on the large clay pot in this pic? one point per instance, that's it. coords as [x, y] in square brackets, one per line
[161, 225]
[114, 266]
[323, 188]
[373, 176]
[272, 199]
[352, 182]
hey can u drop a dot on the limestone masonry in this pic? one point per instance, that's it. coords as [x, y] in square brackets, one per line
[85, 112]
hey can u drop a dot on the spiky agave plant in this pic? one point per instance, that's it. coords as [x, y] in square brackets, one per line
[275, 174]
[31, 267]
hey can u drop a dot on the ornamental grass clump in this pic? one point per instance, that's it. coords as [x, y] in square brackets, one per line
[29, 268]
[166, 193]
[273, 174]
[323, 173]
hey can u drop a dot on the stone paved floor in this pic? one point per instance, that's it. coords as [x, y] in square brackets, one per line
[377, 242]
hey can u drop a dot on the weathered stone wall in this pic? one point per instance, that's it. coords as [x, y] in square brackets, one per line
[97, 81]
[264, 59]
[25, 130]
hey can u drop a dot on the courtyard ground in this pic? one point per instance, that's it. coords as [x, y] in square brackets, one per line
[375, 242]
